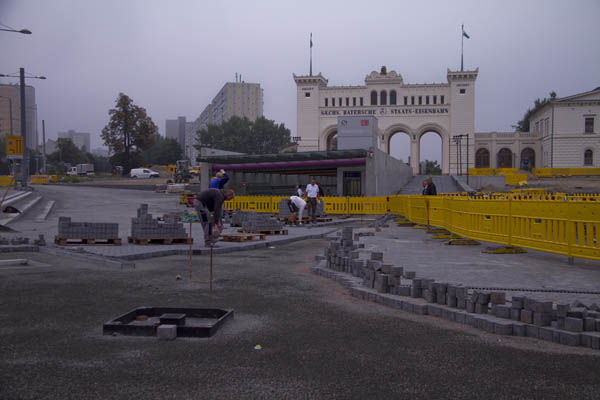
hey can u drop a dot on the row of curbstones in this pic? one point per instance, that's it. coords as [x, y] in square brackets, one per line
[574, 325]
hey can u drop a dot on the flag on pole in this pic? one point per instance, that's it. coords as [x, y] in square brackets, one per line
[465, 34]
[311, 40]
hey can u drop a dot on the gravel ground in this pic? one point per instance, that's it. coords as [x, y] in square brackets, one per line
[317, 341]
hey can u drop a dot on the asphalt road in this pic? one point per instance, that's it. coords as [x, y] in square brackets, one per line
[317, 341]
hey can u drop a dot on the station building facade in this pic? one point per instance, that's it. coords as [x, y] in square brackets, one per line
[447, 109]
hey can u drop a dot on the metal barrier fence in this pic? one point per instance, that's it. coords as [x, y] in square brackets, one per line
[567, 225]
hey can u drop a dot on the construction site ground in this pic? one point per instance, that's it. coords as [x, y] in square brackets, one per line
[315, 341]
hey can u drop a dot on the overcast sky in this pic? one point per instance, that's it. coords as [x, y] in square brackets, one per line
[172, 57]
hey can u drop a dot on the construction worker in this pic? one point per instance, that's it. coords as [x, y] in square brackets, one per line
[209, 205]
[219, 181]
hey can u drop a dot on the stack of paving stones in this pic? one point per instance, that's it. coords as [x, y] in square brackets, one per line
[238, 217]
[573, 325]
[284, 210]
[255, 222]
[86, 230]
[145, 227]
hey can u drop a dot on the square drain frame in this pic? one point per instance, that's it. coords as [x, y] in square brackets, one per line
[144, 321]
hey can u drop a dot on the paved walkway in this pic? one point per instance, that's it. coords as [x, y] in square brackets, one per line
[415, 250]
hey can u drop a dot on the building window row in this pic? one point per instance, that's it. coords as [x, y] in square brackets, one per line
[383, 99]
[340, 101]
[588, 158]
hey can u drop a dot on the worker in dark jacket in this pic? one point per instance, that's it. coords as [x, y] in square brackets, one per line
[429, 189]
[209, 205]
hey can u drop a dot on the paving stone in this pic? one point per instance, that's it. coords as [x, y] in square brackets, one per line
[397, 271]
[470, 320]
[416, 292]
[429, 296]
[529, 304]
[503, 328]
[598, 325]
[589, 324]
[573, 324]
[406, 306]
[470, 306]
[483, 298]
[501, 311]
[542, 319]
[377, 255]
[519, 329]
[498, 297]
[166, 332]
[421, 309]
[403, 290]
[449, 314]
[562, 309]
[410, 274]
[570, 338]
[532, 331]
[451, 300]
[481, 308]
[434, 310]
[560, 322]
[461, 303]
[587, 339]
[545, 334]
[515, 314]
[527, 316]
[596, 342]
[461, 293]
[451, 290]
[459, 317]
[517, 302]
[542, 307]
[577, 312]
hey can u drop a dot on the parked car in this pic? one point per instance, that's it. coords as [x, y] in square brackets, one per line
[143, 173]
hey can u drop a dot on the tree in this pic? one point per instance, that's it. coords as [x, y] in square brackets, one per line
[240, 134]
[523, 125]
[432, 168]
[129, 131]
[67, 152]
[163, 152]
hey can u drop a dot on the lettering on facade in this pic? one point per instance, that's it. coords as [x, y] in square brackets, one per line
[384, 111]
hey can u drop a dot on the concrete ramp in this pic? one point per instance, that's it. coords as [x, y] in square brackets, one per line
[443, 184]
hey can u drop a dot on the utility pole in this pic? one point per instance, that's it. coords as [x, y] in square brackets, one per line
[44, 144]
[25, 165]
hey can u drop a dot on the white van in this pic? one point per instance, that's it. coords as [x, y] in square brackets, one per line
[143, 173]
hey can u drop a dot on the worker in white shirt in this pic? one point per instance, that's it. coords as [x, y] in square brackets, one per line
[299, 191]
[312, 196]
[296, 206]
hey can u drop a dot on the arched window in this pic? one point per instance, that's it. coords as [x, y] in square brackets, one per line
[527, 159]
[588, 157]
[393, 97]
[383, 98]
[373, 97]
[332, 141]
[482, 158]
[505, 157]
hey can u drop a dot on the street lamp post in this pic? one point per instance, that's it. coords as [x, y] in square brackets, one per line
[25, 168]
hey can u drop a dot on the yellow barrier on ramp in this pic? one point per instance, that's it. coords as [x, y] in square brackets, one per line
[7, 180]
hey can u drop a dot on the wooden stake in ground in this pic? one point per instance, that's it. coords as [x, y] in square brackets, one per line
[190, 251]
[211, 268]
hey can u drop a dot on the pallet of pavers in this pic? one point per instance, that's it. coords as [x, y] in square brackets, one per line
[147, 230]
[86, 233]
[242, 237]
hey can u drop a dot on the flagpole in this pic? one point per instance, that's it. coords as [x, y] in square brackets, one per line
[311, 54]
[462, 41]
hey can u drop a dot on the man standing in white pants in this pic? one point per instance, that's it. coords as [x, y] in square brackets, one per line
[312, 195]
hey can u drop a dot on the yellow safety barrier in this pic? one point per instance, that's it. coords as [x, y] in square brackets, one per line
[6, 180]
[557, 223]
[40, 179]
[493, 171]
[551, 172]
[516, 179]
